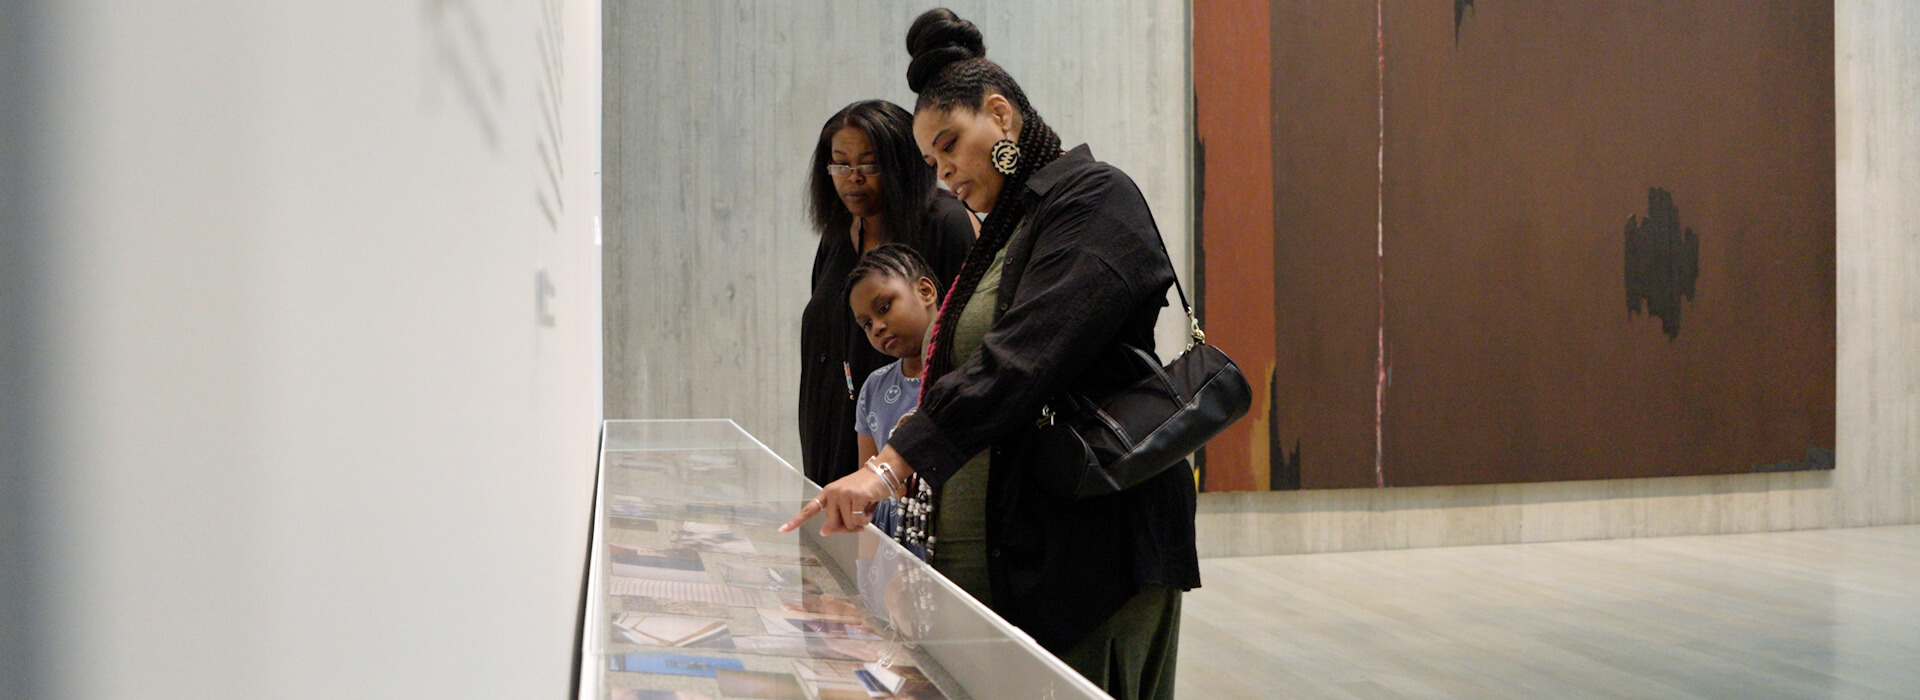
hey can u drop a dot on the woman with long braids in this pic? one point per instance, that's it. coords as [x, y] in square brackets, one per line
[869, 187]
[1069, 265]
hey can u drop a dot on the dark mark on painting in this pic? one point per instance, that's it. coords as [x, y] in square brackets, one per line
[1662, 262]
[1285, 475]
[1817, 458]
[1460, 8]
[1283, 467]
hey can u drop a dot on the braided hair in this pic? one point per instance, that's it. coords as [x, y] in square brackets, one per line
[892, 260]
[950, 71]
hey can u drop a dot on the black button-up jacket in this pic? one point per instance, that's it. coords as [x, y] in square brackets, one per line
[1088, 273]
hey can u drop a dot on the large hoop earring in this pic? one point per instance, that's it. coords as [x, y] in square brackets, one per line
[1006, 156]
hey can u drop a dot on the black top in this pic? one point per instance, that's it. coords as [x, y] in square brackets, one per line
[1087, 274]
[829, 337]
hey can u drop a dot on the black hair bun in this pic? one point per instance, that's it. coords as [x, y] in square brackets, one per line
[937, 39]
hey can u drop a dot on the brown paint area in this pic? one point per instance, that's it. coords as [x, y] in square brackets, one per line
[1522, 159]
[1324, 271]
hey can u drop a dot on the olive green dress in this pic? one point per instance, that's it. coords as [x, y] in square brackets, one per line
[1132, 654]
[960, 528]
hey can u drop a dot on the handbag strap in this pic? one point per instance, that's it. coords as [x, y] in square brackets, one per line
[1195, 335]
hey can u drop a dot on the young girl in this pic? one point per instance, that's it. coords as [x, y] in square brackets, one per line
[894, 298]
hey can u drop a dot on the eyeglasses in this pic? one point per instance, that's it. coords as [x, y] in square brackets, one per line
[843, 171]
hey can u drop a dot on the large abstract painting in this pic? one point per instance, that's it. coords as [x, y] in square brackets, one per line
[1494, 241]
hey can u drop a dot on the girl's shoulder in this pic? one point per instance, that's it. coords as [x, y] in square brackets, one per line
[880, 374]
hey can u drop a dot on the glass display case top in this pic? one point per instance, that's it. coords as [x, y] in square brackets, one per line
[695, 593]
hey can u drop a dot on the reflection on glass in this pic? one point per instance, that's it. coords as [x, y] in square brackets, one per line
[701, 596]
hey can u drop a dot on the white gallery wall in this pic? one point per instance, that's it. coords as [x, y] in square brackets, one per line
[302, 372]
[712, 112]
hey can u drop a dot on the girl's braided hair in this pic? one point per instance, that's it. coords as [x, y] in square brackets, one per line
[892, 259]
[950, 71]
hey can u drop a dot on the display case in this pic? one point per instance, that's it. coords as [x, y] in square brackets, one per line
[693, 592]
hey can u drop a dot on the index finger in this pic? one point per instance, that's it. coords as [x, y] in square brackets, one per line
[807, 512]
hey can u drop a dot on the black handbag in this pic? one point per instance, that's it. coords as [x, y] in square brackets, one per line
[1087, 447]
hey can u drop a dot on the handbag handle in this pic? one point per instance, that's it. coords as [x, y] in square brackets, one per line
[1153, 363]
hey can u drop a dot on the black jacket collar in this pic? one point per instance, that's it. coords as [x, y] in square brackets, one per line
[1050, 174]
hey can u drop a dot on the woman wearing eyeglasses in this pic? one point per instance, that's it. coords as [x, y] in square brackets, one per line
[868, 187]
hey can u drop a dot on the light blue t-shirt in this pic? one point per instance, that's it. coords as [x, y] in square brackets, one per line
[884, 398]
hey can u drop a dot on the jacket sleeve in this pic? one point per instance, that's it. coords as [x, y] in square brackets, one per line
[1071, 302]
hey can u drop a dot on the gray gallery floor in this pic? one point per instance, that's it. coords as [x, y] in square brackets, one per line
[1831, 613]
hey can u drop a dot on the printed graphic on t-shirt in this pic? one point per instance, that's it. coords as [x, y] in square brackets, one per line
[884, 398]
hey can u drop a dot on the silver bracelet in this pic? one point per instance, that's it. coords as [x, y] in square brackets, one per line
[893, 487]
[886, 474]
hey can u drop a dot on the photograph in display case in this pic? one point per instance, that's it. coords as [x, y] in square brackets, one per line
[642, 461]
[671, 606]
[831, 680]
[673, 664]
[772, 578]
[805, 560]
[667, 565]
[636, 524]
[773, 544]
[820, 604]
[812, 625]
[643, 694]
[666, 631]
[637, 508]
[753, 517]
[760, 684]
[857, 681]
[710, 600]
[833, 649]
[682, 590]
[709, 537]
